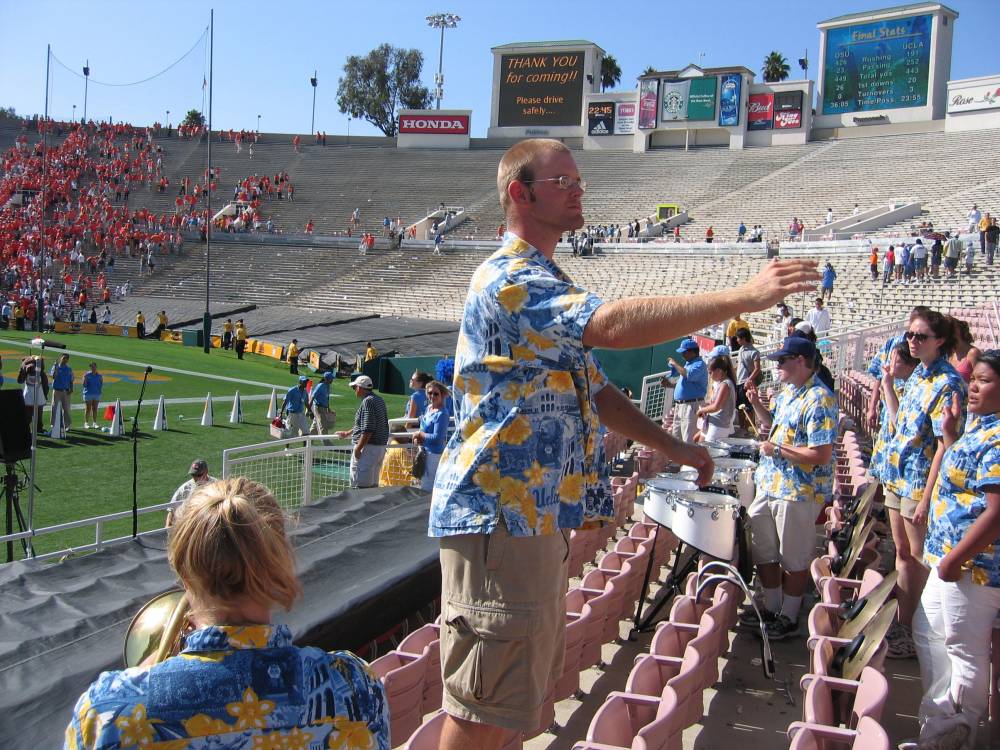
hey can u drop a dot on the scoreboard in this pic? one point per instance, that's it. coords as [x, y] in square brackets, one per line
[875, 66]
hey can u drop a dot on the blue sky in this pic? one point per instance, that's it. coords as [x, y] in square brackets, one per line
[265, 52]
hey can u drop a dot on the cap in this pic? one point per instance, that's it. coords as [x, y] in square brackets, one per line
[328, 375]
[198, 466]
[794, 346]
[687, 345]
[720, 351]
[303, 379]
[805, 326]
[362, 381]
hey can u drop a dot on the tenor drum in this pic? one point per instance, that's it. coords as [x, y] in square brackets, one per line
[659, 504]
[738, 473]
[743, 448]
[706, 521]
[687, 473]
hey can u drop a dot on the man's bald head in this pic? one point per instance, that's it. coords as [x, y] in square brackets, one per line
[518, 163]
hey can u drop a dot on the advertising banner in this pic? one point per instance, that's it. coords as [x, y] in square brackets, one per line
[436, 124]
[787, 118]
[970, 97]
[788, 100]
[674, 100]
[760, 111]
[701, 98]
[541, 89]
[729, 99]
[625, 117]
[648, 95]
[601, 118]
[99, 328]
[880, 65]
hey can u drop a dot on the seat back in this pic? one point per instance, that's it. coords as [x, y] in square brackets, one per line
[870, 699]
[426, 640]
[402, 676]
[576, 632]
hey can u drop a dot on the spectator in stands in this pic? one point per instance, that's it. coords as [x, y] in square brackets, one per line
[720, 410]
[856, 211]
[741, 231]
[296, 142]
[106, 315]
[199, 477]
[310, 226]
[873, 263]
[324, 418]
[140, 325]
[890, 262]
[36, 389]
[973, 218]
[953, 623]
[417, 402]
[966, 354]
[794, 477]
[510, 479]
[913, 458]
[793, 229]
[690, 391]
[819, 318]
[241, 338]
[438, 243]
[919, 256]
[93, 386]
[709, 234]
[369, 436]
[433, 432]
[783, 321]
[903, 267]
[970, 256]
[952, 252]
[61, 378]
[829, 216]
[733, 328]
[829, 276]
[227, 333]
[992, 237]
[293, 357]
[231, 553]
[294, 403]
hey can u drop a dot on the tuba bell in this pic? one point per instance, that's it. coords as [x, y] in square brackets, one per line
[155, 632]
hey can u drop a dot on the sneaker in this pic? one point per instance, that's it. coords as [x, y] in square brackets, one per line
[748, 617]
[781, 628]
[900, 641]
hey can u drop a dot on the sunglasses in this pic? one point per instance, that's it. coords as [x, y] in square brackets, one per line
[918, 337]
[565, 183]
[787, 358]
[434, 393]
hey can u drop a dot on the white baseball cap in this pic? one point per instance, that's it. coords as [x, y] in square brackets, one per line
[362, 381]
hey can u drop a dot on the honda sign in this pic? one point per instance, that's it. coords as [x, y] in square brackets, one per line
[437, 124]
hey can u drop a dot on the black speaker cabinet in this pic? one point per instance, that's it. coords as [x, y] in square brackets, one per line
[15, 433]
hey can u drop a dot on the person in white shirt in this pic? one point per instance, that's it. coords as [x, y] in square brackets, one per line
[819, 318]
[974, 216]
[199, 476]
[829, 215]
[857, 210]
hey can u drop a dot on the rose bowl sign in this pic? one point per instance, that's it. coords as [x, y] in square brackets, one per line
[436, 125]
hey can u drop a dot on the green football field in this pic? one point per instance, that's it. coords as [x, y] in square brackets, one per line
[90, 473]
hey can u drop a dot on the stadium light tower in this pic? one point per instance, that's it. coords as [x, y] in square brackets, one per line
[258, 124]
[312, 125]
[441, 21]
[86, 82]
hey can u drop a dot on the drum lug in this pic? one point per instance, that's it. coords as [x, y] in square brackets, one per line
[715, 515]
[690, 512]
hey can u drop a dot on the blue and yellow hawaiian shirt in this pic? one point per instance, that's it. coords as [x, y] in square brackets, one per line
[886, 429]
[910, 452]
[238, 688]
[881, 357]
[971, 465]
[527, 441]
[804, 417]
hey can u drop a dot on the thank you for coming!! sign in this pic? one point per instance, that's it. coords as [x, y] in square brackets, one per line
[541, 88]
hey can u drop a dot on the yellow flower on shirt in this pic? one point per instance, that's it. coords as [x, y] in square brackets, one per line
[250, 712]
[559, 381]
[512, 297]
[203, 725]
[516, 432]
[136, 728]
[535, 474]
[571, 488]
[522, 353]
[487, 478]
[471, 427]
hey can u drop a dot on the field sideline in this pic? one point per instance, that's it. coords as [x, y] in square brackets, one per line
[90, 473]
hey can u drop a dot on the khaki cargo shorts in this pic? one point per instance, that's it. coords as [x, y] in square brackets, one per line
[503, 625]
[904, 505]
[783, 532]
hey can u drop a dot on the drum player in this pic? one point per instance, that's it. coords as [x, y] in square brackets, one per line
[794, 477]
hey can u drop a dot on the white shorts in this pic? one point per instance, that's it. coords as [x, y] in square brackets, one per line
[783, 532]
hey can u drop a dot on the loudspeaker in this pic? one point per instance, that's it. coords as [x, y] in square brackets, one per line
[15, 433]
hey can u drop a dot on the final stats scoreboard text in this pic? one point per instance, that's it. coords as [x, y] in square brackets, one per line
[881, 65]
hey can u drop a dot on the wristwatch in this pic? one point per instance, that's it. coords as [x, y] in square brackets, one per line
[777, 450]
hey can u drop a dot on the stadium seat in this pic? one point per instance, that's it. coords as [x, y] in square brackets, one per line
[402, 675]
[823, 702]
[426, 640]
[616, 724]
[869, 736]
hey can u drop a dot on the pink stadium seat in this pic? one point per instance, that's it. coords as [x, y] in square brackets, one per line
[428, 736]
[613, 583]
[869, 736]
[822, 704]
[686, 675]
[402, 675]
[577, 552]
[568, 683]
[590, 653]
[838, 590]
[616, 725]
[426, 640]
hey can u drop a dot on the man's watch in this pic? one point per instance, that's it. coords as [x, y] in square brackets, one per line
[777, 450]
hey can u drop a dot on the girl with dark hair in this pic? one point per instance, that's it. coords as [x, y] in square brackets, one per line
[965, 355]
[895, 372]
[418, 398]
[719, 412]
[913, 458]
[953, 623]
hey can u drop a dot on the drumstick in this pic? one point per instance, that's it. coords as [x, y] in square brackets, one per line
[750, 422]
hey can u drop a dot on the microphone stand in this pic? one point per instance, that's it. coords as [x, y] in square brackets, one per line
[135, 454]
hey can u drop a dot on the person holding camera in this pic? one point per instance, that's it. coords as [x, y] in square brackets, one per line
[36, 388]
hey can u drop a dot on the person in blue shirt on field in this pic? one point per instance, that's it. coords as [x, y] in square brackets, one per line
[324, 418]
[433, 433]
[690, 390]
[295, 404]
[93, 385]
[62, 387]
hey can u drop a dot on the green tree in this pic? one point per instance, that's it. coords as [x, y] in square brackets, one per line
[775, 68]
[648, 71]
[375, 87]
[194, 118]
[611, 72]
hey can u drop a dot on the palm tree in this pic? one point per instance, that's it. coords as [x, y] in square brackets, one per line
[648, 71]
[611, 73]
[775, 68]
